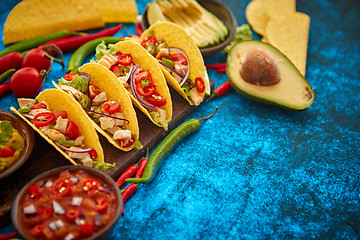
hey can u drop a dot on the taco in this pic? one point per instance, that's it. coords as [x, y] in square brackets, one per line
[107, 103]
[140, 74]
[179, 58]
[62, 123]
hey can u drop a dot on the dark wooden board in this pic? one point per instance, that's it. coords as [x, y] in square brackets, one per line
[45, 157]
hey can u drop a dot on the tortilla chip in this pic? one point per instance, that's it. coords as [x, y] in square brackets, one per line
[117, 11]
[257, 17]
[60, 101]
[290, 33]
[176, 36]
[147, 62]
[274, 8]
[107, 82]
[30, 19]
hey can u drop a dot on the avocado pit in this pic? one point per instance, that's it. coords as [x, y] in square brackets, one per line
[260, 68]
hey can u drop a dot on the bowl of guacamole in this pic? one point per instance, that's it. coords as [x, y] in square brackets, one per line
[16, 143]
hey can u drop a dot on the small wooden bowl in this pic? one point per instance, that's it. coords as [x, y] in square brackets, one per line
[220, 11]
[102, 234]
[26, 132]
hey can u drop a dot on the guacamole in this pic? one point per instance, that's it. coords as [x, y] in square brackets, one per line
[11, 144]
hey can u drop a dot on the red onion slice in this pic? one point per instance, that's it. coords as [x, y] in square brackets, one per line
[30, 209]
[86, 150]
[58, 209]
[28, 116]
[175, 49]
[105, 115]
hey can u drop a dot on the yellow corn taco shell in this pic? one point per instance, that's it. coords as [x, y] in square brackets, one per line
[176, 36]
[60, 101]
[117, 11]
[107, 82]
[146, 61]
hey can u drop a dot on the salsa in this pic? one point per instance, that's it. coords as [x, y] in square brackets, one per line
[70, 205]
[11, 144]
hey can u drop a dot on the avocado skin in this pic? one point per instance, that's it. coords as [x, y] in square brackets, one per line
[236, 80]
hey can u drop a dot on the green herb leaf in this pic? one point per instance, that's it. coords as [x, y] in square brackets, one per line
[242, 33]
[6, 130]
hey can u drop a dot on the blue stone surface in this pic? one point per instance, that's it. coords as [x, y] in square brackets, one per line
[255, 171]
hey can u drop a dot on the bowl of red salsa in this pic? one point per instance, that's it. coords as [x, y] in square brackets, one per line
[71, 202]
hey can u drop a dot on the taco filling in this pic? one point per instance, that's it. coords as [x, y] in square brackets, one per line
[107, 114]
[57, 127]
[177, 63]
[137, 80]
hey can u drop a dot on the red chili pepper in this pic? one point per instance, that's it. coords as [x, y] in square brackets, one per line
[141, 168]
[72, 212]
[138, 28]
[44, 213]
[129, 172]
[101, 204]
[9, 61]
[90, 186]
[8, 236]
[72, 43]
[221, 90]
[199, 84]
[221, 70]
[44, 119]
[215, 65]
[4, 89]
[34, 192]
[127, 192]
[62, 189]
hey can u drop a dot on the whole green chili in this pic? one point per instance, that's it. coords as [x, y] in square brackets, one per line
[6, 75]
[85, 50]
[165, 147]
[34, 42]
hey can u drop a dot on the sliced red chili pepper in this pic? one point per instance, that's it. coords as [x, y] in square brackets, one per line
[128, 144]
[142, 75]
[156, 99]
[44, 119]
[37, 231]
[44, 213]
[148, 39]
[93, 91]
[72, 130]
[62, 114]
[34, 192]
[86, 230]
[145, 91]
[90, 186]
[199, 84]
[72, 212]
[70, 76]
[93, 154]
[125, 59]
[62, 189]
[6, 152]
[110, 107]
[101, 204]
[39, 105]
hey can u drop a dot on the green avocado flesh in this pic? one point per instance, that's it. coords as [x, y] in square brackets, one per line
[291, 92]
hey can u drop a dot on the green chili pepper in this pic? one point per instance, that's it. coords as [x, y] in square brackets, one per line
[160, 44]
[85, 50]
[165, 147]
[34, 42]
[4, 76]
[124, 70]
[150, 48]
[84, 101]
[25, 110]
[168, 62]
[66, 143]
[145, 82]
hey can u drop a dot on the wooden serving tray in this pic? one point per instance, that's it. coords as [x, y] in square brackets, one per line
[45, 157]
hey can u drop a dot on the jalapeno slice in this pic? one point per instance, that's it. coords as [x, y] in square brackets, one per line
[84, 101]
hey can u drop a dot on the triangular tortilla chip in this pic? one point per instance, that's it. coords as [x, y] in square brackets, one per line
[275, 7]
[256, 16]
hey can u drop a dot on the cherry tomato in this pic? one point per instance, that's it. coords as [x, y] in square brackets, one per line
[72, 212]
[93, 154]
[131, 142]
[116, 70]
[70, 76]
[62, 189]
[62, 114]
[101, 204]
[110, 107]
[145, 91]
[90, 186]
[148, 39]
[86, 230]
[179, 58]
[125, 59]
[72, 130]
[199, 84]
[143, 75]
[36, 58]
[156, 99]
[44, 119]
[34, 192]
[6, 152]
[26, 82]
[93, 91]
[39, 105]
[44, 213]
[37, 231]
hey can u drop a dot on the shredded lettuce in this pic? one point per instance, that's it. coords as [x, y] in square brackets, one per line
[102, 46]
[102, 165]
[160, 120]
[79, 83]
[243, 32]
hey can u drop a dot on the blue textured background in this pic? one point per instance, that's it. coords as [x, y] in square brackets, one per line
[255, 171]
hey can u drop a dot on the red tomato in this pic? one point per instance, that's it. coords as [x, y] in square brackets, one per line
[39, 105]
[72, 212]
[131, 142]
[36, 58]
[34, 192]
[72, 130]
[142, 75]
[62, 189]
[125, 59]
[26, 82]
[6, 152]
[62, 114]
[86, 230]
[156, 99]
[110, 107]
[179, 57]
[37, 231]
[101, 204]
[199, 84]
[93, 91]
[44, 213]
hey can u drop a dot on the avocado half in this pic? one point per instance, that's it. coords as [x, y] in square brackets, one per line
[292, 91]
